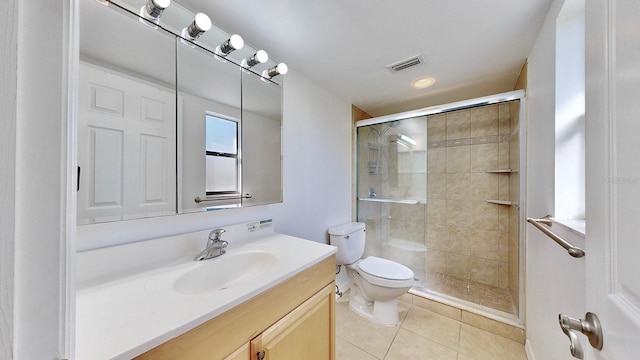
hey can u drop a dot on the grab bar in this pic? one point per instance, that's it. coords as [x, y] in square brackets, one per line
[220, 198]
[397, 201]
[574, 251]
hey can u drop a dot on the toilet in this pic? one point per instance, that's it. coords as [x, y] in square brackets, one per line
[375, 283]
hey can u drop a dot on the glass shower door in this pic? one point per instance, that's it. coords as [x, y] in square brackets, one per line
[392, 188]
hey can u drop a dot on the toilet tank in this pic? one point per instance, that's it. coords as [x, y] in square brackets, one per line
[349, 239]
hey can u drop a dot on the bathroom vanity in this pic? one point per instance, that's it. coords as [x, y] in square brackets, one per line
[271, 296]
[293, 320]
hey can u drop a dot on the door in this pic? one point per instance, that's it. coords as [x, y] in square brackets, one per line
[308, 332]
[613, 175]
[126, 147]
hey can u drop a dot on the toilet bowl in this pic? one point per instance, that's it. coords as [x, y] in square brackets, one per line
[375, 283]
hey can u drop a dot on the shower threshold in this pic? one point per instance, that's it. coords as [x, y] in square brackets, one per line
[473, 296]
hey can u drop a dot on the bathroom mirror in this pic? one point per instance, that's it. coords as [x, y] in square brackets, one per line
[261, 140]
[145, 98]
[126, 118]
[209, 88]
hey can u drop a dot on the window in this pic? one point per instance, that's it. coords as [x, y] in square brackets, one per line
[570, 112]
[222, 163]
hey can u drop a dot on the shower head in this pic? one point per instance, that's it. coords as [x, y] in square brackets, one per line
[390, 125]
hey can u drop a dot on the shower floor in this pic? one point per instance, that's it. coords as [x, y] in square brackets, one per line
[486, 295]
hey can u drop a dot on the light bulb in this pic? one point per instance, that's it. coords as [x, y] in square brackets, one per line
[260, 57]
[200, 24]
[235, 42]
[279, 69]
[154, 8]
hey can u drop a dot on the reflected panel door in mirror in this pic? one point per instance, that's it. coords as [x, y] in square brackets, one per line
[261, 140]
[208, 86]
[126, 117]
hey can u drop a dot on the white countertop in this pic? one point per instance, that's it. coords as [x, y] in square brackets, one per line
[124, 317]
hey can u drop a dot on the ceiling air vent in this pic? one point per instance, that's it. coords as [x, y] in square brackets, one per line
[405, 64]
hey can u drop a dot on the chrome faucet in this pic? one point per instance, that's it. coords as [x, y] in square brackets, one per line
[215, 246]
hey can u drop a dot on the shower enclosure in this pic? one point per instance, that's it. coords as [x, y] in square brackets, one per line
[439, 191]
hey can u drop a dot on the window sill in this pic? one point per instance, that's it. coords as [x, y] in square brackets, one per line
[576, 226]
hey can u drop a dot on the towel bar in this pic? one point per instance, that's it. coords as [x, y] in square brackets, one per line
[572, 250]
[220, 198]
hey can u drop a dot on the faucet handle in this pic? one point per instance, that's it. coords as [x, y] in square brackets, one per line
[216, 234]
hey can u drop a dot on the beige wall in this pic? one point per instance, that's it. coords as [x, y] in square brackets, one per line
[521, 83]
[358, 114]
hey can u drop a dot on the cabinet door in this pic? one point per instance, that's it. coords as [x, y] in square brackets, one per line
[240, 354]
[308, 332]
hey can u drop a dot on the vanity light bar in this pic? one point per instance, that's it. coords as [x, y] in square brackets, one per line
[152, 11]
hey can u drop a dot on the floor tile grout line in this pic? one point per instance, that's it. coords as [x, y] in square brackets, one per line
[433, 340]
[398, 327]
[364, 350]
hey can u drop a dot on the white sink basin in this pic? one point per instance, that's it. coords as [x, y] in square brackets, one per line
[224, 271]
[236, 267]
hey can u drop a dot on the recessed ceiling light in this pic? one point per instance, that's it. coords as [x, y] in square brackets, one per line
[423, 83]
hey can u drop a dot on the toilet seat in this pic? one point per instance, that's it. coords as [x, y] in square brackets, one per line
[383, 272]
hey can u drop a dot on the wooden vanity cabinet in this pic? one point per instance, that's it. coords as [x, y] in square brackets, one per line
[305, 333]
[293, 320]
[243, 353]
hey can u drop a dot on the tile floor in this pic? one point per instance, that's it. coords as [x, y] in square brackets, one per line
[486, 295]
[421, 334]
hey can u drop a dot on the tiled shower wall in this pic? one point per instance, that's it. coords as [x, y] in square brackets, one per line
[466, 236]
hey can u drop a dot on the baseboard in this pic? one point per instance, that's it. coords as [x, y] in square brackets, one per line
[528, 349]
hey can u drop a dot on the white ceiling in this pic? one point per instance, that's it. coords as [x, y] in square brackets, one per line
[472, 48]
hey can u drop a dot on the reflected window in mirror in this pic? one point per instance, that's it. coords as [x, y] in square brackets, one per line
[222, 162]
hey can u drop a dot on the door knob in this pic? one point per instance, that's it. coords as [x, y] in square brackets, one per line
[589, 326]
[575, 347]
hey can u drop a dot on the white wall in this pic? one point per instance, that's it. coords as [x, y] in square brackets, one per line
[8, 110]
[554, 281]
[317, 160]
[35, 179]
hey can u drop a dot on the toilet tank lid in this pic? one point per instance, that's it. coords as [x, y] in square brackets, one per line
[346, 229]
